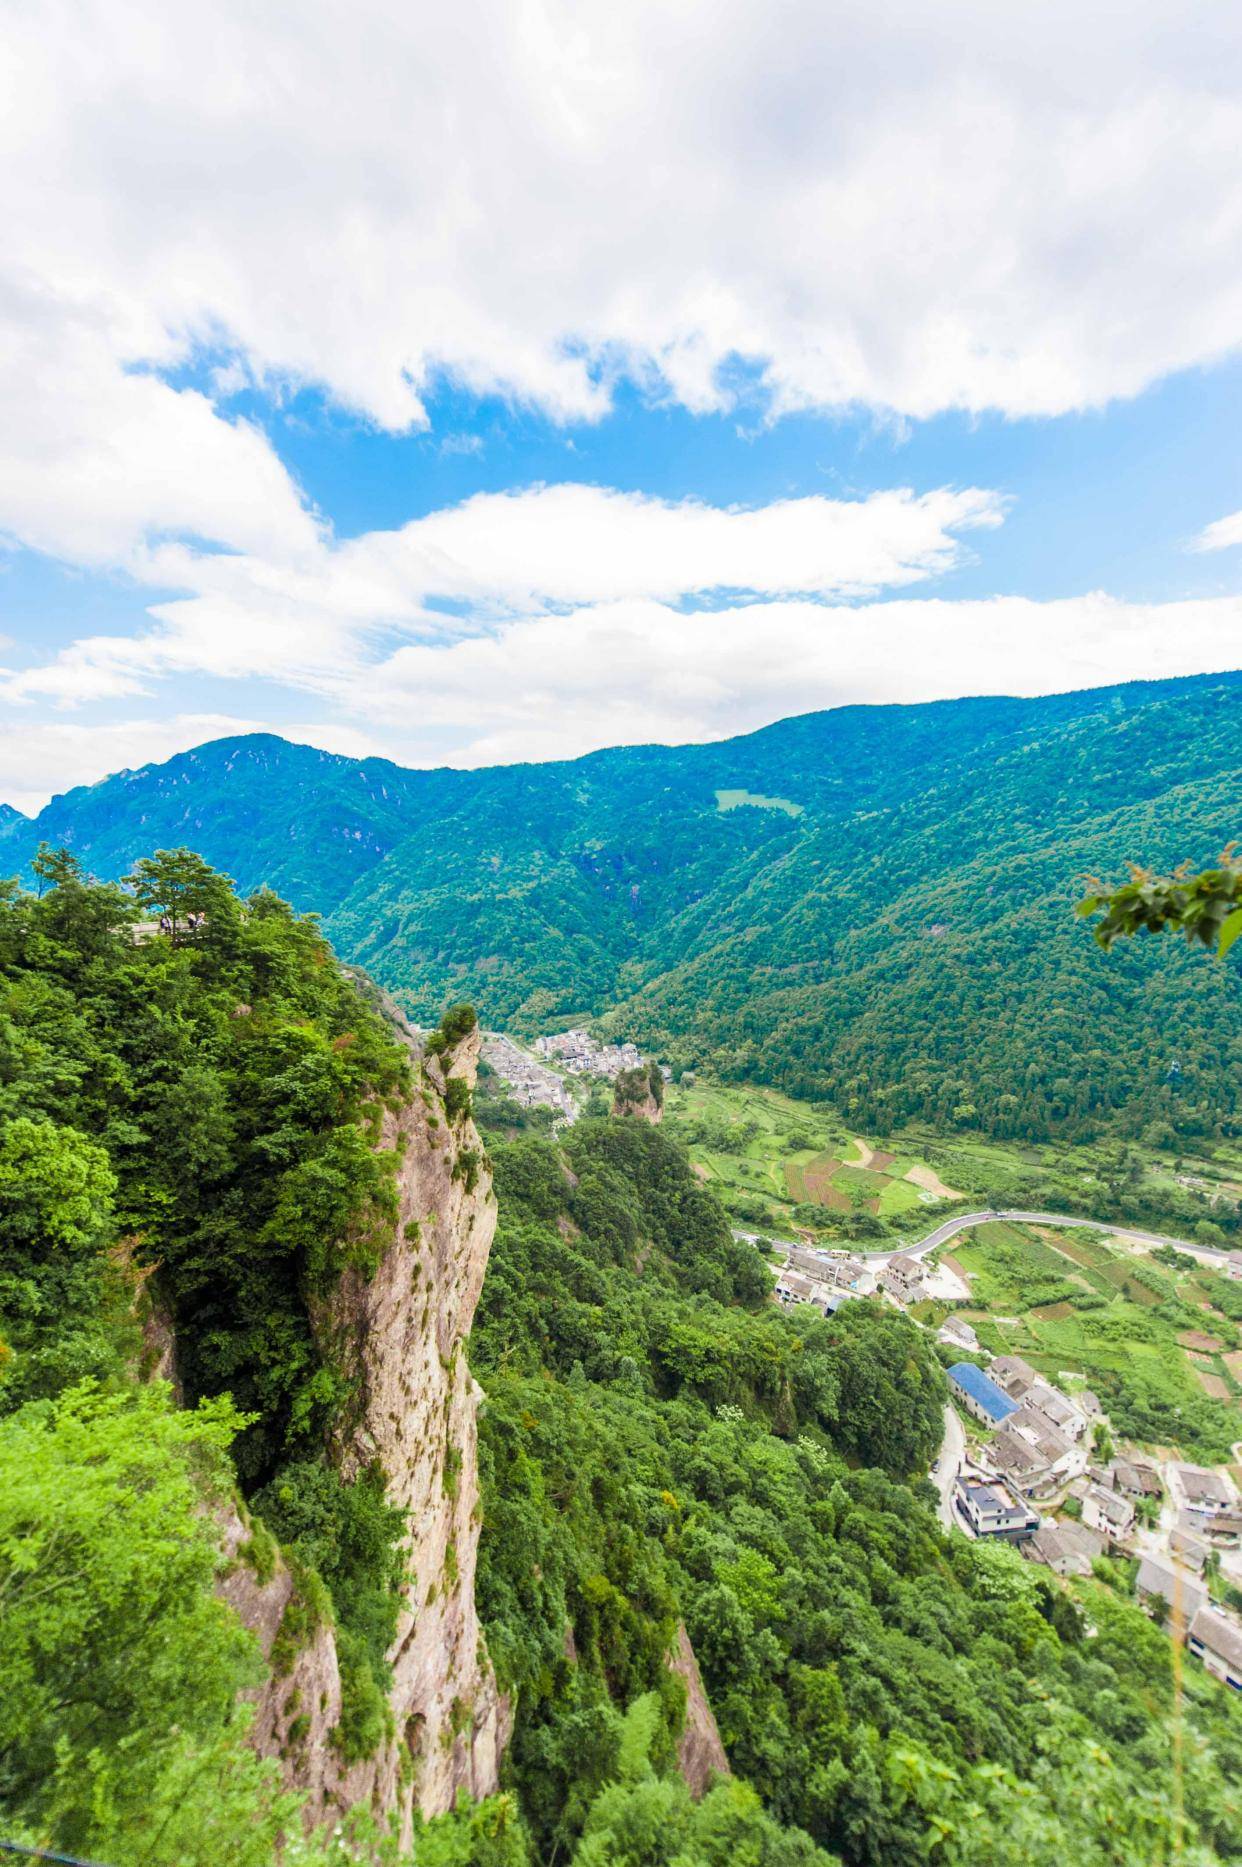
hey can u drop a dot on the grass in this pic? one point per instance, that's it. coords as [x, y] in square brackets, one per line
[764, 1154]
[1126, 1347]
[736, 800]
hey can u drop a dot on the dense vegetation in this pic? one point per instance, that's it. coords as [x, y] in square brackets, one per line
[904, 944]
[193, 1117]
[186, 1128]
[656, 1447]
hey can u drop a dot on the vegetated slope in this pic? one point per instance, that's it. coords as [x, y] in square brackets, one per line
[905, 944]
[656, 1446]
[222, 1120]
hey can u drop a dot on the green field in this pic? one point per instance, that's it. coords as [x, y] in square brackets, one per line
[779, 1162]
[1075, 1303]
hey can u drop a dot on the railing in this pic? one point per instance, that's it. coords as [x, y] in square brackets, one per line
[45, 1854]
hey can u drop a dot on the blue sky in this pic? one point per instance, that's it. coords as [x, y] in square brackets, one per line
[570, 393]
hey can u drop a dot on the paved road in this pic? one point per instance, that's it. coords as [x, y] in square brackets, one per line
[948, 1464]
[967, 1220]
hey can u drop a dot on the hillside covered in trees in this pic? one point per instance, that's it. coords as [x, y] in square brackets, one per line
[873, 904]
[659, 1446]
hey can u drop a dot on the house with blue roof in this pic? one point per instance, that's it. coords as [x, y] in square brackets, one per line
[979, 1394]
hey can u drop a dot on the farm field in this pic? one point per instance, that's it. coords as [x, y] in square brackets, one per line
[1158, 1342]
[778, 1162]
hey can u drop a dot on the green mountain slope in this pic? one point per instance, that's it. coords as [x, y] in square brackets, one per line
[889, 921]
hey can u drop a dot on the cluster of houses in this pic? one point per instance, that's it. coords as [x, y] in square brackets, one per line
[1036, 1447]
[532, 1085]
[828, 1278]
[825, 1279]
[1038, 1433]
[583, 1055]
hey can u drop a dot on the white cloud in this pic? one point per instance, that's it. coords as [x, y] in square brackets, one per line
[308, 617]
[1220, 535]
[96, 459]
[1031, 207]
[638, 671]
[556, 686]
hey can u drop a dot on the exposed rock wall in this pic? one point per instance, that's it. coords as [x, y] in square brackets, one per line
[401, 1336]
[700, 1752]
[639, 1093]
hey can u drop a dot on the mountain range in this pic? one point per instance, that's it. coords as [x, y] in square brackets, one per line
[871, 904]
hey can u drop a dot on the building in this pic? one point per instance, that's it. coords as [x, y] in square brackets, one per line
[1051, 1402]
[1010, 1372]
[903, 1277]
[957, 1334]
[1051, 1548]
[1088, 1404]
[1134, 1479]
[793, 1287]
[1017, 1463]
[1183, 1595]
[1081, 1539]
[1191, 1550]
[1037, 1429]
[1031, 1453]
[1108, 1512]
[1217, 1641]
[1234, 1265]
[979, 1394]
[829, 1267]
[991, 1509]
[1207, 1502]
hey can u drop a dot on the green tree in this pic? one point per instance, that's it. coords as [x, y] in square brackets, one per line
[179, 884]
[115, 1654]
[1206, 907]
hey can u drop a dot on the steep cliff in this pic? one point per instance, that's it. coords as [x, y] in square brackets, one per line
[400, 1336]
[640, 1093]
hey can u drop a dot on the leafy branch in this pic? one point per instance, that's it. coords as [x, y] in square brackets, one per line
[1206, 907]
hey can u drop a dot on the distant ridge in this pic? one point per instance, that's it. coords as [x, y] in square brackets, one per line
[898, 935]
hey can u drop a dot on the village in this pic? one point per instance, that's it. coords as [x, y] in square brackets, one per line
[536, 1078]
[1028, 1463]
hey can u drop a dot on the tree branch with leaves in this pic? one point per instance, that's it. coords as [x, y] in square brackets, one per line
[1206, 907]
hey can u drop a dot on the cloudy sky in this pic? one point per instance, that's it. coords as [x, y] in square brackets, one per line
[508, 379]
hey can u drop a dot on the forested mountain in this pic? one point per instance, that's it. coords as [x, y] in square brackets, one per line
[189, 1165]
[872, 904]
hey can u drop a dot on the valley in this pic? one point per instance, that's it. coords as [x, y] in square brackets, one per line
[708, 1478]
[904, 947]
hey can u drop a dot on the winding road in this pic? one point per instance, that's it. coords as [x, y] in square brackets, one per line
[966, 1221]
[948, 1464]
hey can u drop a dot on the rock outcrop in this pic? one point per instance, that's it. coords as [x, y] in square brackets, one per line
[700, 1752]
[640, 1093]
[400, 1335]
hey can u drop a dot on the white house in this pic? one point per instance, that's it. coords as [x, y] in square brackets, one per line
[1217, 1641]
[1182, 1593]
[903, 1277]
[1108, 1512]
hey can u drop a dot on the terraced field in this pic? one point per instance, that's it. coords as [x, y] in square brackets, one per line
[1159, 1343]
[754, 1144]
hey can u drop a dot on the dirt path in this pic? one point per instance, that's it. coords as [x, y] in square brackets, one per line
[867, 1153]
[930, 1181]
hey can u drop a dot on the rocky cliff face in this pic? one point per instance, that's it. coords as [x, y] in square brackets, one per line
[639, 1093]
[401, 1336]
